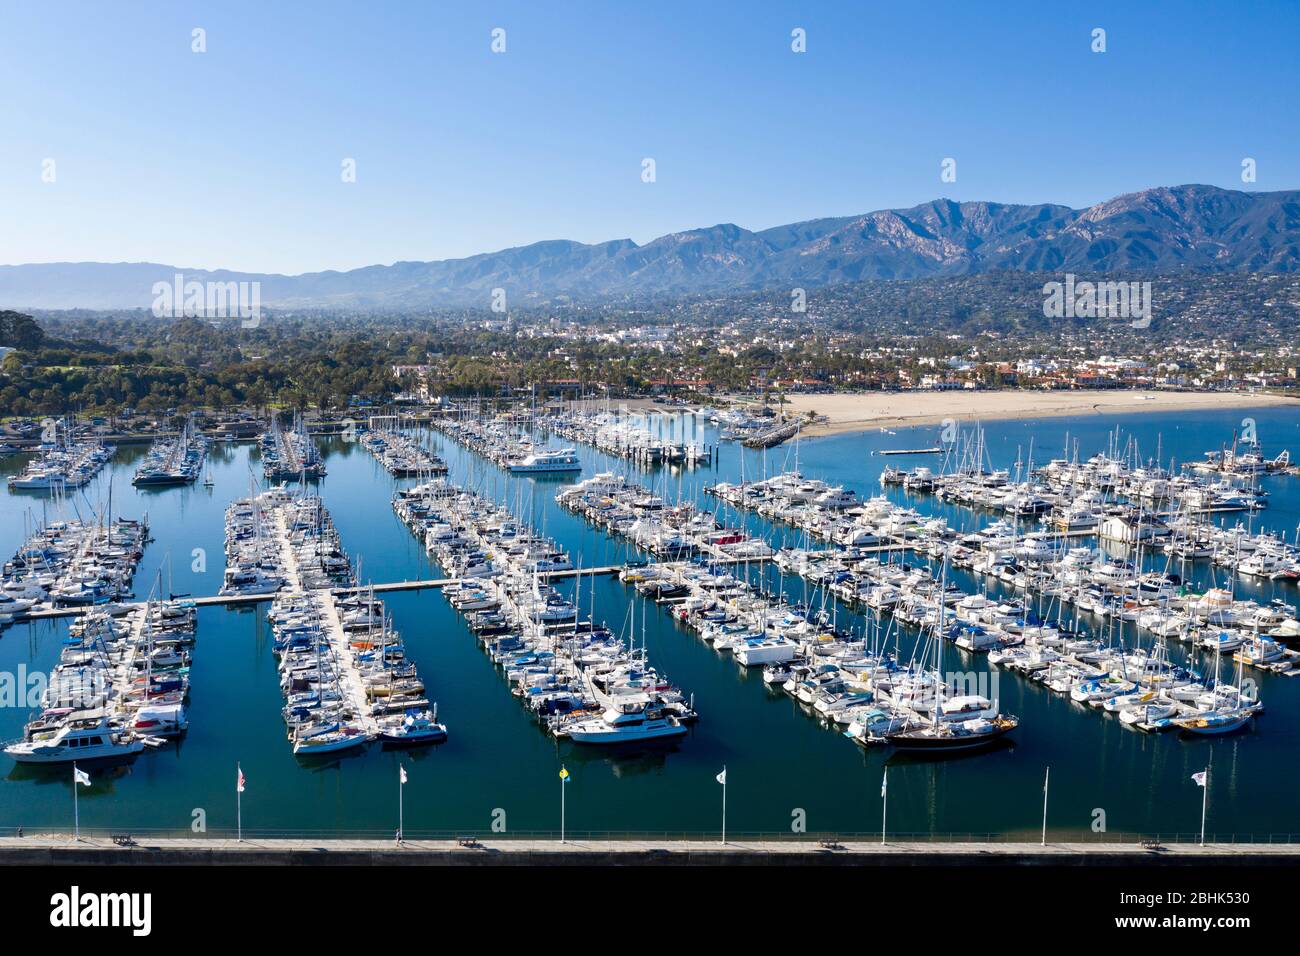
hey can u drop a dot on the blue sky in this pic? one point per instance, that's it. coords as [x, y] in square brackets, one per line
[232, 158]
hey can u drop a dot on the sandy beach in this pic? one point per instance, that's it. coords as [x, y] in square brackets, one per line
[866, 410]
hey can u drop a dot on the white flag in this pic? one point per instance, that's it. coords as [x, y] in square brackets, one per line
[81, 777]
[722, 777]
[1199, 778]
[402, 772]
[884, 784]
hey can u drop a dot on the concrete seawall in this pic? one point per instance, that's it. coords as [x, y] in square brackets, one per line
[63, 850]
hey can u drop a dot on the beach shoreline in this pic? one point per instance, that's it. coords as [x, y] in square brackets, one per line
[844, 413]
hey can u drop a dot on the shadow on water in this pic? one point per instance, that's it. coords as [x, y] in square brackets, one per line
[626, 760]
[902, 758]
[105, 768]
[315, 763]
[415, 751]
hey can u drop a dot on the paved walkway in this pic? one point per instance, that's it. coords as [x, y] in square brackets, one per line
[57, 848]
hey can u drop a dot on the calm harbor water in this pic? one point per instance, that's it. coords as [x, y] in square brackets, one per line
[781, 764]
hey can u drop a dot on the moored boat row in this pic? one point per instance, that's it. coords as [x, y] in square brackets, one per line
[72, 564]
[121, 685]
[173, 461]
[402, 455]
[503, 442]
[63, 467]
[289, 455]
[619, 436]
[344, 670]
[582, 681]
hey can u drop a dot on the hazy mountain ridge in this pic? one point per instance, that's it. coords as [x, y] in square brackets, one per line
[1162, 230]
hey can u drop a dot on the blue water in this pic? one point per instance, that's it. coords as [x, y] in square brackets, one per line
[781, 765]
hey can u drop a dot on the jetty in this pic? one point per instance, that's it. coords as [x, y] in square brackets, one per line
[773, 436]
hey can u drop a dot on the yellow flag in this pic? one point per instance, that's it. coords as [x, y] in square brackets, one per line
[564, 774]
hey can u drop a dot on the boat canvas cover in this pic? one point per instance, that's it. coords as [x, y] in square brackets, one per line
[161, 713]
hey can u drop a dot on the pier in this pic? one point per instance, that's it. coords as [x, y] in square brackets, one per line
[350, 682]
[236, 600]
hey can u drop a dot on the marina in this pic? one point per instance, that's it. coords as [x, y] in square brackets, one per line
[343, 669]
[121, 685]
[789, 567]
[289, 455]
[622, 437]
[512, 472]
[847, 680]
[63, 467]
[402, 455]
[173, 461]
[78, 563]
[580, 679]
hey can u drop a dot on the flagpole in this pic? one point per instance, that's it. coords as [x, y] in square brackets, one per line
[400, 784]
[76, 810]
[724, 804]
[239, 805]
[561, 807]
[1205, 797]
[884, 804]
[1047, 776]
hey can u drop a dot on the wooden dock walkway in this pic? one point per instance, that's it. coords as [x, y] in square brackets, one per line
[235, 600]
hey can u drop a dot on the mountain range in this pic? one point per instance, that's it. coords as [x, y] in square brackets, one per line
[1190, 228]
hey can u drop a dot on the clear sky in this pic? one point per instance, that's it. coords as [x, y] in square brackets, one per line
[233, 157]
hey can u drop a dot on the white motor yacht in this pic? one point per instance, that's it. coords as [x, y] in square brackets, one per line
[83, 736]
[628, 721]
